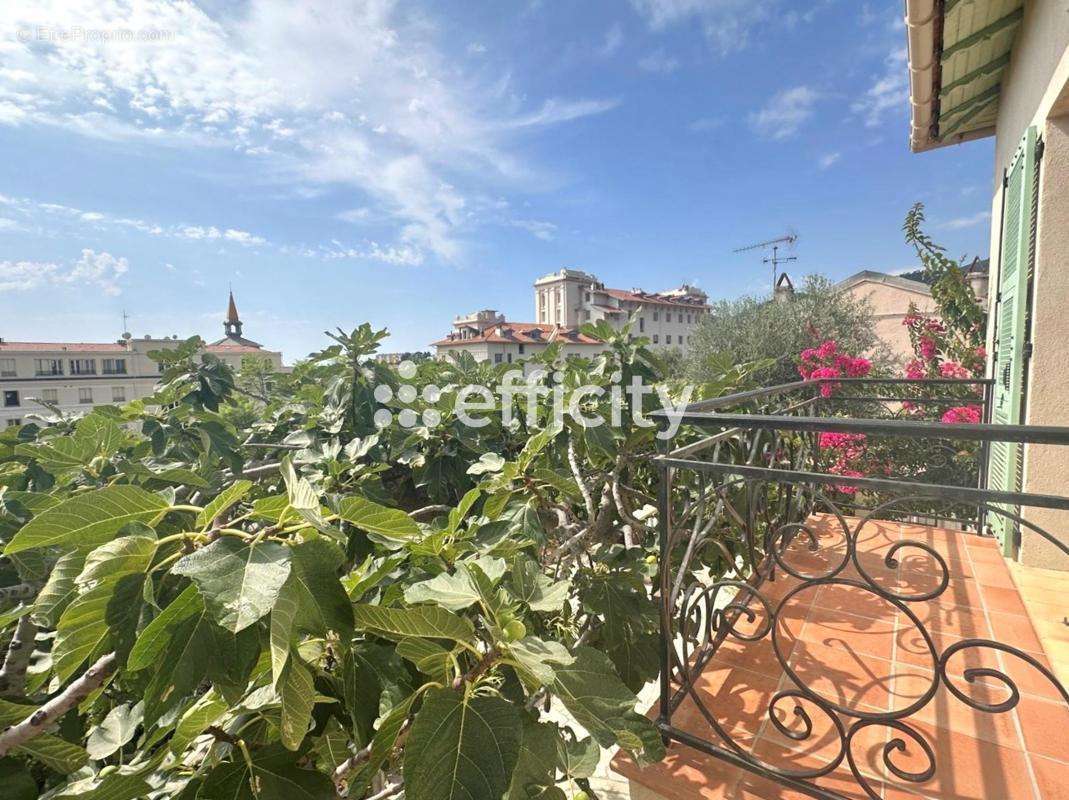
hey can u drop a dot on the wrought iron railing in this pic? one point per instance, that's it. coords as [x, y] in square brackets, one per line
[737, 513]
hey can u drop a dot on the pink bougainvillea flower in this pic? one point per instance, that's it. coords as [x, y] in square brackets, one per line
[915, 370]
[927, 347]
[828, 349]
[981, 352]
[969, 415]
[952, 369]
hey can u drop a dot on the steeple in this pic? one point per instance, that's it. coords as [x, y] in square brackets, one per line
[232, 325]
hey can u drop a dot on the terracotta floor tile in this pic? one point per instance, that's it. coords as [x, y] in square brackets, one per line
[684, 774]
[1014, 630]
[993, 575]
[973, 543]
[1003, 601]
[986, 555]
[965, 769]
[1052, 777]
[1045, 726]
[937, 618]
[872, 636]
[737, 699]
[851, 600]
[946, 711]
[843, 676]
[754, 656]
[754, 787]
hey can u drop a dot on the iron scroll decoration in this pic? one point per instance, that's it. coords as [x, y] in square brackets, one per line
[698, 620]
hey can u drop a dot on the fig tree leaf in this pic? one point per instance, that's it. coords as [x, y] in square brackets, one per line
[239, 582]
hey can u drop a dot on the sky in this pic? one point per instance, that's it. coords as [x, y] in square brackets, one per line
[342, 161]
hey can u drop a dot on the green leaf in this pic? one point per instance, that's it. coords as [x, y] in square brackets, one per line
[232, 494]
[539, 659]
[430, 622]
[455, 592]
[239, 582]
[180, 477]
[153, 640]
[125, 783]
[17, 781]
[322, 602]
[332, 746]
[59, 590]
[89, 519]
[461, 746]
[115, 731]
[488, 462]
[275, 774]
[297, 691]
[537, 590]
[578, 758]
[53, 752]
[283, 630]
[591, 690]
[390, 525]
[430, 658]
[381, 745]
[106, 610]
[536, 767]
[209, 708]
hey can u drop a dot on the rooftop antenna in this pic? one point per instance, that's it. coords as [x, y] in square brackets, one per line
[125, 321]
[775, 259]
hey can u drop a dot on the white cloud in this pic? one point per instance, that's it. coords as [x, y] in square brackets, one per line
[7, 224]
[889, 91]
[966, 222]
[537, 228]
[614, 39]
[243, 237]
[784, 114]
[726, 24]
[476, 48]
[828, 159]
[303, 85]
[660, 62]
[101, 270]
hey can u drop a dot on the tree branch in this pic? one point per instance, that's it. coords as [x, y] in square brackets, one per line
[429, 511]
[13, 673]
[36, 724]
[20, 591]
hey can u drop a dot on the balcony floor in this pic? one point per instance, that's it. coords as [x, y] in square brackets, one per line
[859, 651]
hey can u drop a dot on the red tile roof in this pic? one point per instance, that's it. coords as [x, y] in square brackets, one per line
[656, 299]
[522, 333]
[85, 347]
[232, 348]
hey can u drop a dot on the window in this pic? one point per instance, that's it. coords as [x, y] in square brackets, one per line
[656, 338]
[83, 366]
[50, 395]
[523, 348]
[641, 324]
[497, 358]
[85, 395]
[588, 297]
[656, 315]
[114, 366]
[688, 319]
[11, 423]
[11, 398]
[118, 394]
[48, 366]
[668, 339]
[510, 358]
[7, 368]
[160, 367]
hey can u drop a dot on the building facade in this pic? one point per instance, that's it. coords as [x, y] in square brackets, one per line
[1002, 70]
[570, 298]
[75, 376]
[564, 301]
[488, 336]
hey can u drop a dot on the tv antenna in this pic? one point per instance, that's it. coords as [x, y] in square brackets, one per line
[775, 259]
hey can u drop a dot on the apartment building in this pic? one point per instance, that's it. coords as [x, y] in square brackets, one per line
[488, 336]
[79, 375]
[668, 319]
[564, 301]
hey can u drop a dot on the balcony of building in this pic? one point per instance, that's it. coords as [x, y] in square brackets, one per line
[849, 627]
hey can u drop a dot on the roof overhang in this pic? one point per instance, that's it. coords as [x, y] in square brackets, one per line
[958, 52]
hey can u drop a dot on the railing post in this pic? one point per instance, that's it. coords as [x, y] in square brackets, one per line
[664, 571]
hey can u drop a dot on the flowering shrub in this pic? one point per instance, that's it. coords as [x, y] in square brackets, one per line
[964, 414]
[825, 361]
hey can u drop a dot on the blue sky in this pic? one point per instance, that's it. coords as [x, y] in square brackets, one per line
[403, 162]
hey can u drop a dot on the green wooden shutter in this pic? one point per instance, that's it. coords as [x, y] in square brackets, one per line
[1004, 465]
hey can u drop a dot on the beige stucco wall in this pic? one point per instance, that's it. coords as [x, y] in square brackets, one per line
[1035, 91]
[889, 306]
